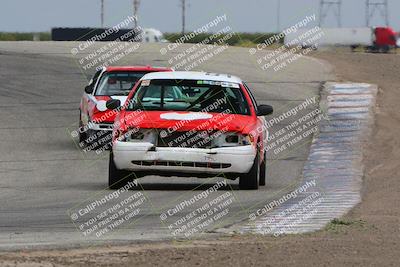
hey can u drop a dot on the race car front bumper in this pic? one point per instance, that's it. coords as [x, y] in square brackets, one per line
[146, 157]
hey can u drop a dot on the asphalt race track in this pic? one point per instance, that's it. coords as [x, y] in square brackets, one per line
[43, 175]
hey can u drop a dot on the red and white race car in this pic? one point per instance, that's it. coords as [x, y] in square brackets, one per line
[189, 124]
[107, 83]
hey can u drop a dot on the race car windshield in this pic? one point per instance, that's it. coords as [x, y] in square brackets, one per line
[190, 95]
[117, 83]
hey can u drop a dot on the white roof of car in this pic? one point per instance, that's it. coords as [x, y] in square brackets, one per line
[191, 75]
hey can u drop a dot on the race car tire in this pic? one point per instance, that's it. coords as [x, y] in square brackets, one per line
[250, 180]
[117, 178]
[82, 135]
[263, 169]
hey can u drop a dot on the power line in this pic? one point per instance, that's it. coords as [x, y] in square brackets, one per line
[136, 4]
[326, 6]
[278, 16]
[183, 5]
[381, 6]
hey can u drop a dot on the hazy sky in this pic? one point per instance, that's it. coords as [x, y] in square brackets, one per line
[165, 15]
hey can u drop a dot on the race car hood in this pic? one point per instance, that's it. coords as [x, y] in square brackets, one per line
[187, 121]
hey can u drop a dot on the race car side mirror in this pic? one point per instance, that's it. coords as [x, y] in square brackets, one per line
[264, 110]
[113, 104]
[89, 89]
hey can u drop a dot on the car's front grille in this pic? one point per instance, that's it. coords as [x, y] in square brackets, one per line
[212, 165]
[105, 125]
[190, 139]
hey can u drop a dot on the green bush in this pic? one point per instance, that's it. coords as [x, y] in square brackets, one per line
[238, 39]
[24, 36]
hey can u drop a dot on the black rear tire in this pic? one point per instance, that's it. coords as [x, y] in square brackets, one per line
[263, 169]
[250, 180]
[385, 49]
[82, 134]
[117, 178]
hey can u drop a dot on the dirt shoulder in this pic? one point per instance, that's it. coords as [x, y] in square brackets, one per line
[368, 236]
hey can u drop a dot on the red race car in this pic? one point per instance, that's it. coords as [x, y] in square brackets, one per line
[189, 124]
[95, 121]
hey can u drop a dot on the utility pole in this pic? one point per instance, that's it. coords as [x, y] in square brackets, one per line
[102, 13]
[136, 4]
[183, 3]
[324, 8]
[377, 5]
[278, 18]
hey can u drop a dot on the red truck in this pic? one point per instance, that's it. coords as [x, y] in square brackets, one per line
[379, 39]
[384, 39]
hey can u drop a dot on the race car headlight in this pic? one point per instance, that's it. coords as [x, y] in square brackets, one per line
[141, 135]
[137, 136]
[232, 139]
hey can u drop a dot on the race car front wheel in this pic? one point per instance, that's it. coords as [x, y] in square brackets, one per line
[250, 180]
[263, 169]
[82, 134]
[117, 178]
